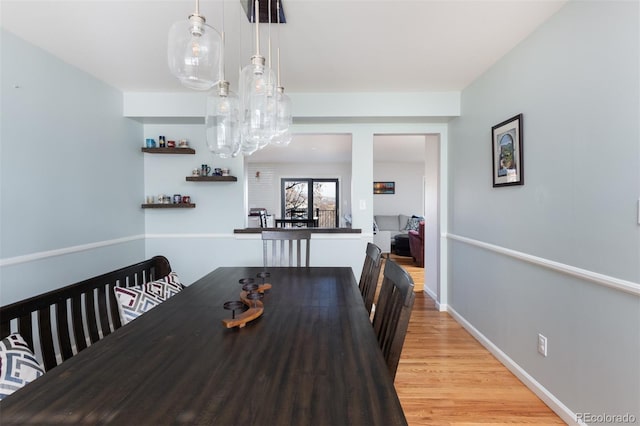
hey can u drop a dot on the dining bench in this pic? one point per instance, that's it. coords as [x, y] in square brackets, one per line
[60, 323]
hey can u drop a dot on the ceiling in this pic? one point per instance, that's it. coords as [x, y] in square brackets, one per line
[326, 45]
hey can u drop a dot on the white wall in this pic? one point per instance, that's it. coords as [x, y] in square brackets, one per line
[409, 194]
[433, 226]
[219, 205]
[264, 191]
[560, 255]
[70, 175]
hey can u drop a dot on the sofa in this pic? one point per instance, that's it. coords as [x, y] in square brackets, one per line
[387, 227]
[416, 244]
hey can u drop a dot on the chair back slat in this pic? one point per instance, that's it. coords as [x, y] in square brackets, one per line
[5, 329]
[92, 318]
[25, 328]
[279, 247]
[393, 311]
[78, 320]
[62, 330]
[370, 274]
[103, 311]
[113, 306]
[46, 338]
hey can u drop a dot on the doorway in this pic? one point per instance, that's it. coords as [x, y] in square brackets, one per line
[416, 159]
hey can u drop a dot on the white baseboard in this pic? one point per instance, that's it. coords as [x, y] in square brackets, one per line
[547, 397]
[442, 307]
[431, 294]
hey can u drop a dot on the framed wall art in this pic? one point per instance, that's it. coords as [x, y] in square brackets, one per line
[507, 152]
[384, 187]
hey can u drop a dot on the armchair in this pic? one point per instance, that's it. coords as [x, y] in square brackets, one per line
[416, 244]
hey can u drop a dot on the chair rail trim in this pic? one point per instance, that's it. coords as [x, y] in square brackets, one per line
[15, 260]
[602, 279]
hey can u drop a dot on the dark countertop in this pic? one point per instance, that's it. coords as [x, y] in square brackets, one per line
[313, 230]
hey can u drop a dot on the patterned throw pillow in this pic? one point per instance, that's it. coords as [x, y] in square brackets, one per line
[135, 301]
[165, 287]
[18, 365]
[172, 278]
[413, 223]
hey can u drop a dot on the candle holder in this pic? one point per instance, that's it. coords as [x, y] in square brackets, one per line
[263, 276]
[250, 296]
[233, 306]
[244, 281]
[249, 288]
[255, 297]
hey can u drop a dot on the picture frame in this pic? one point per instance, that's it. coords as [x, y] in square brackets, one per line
[507, 157]
[384, 187]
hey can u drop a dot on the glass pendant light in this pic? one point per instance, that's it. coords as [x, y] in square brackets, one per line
[252, 105]
[283, 116]
[222, 109]
[282, 135]
[256, 93]
[247, 147]
[257, 101]
[194, 52]
[221, 122]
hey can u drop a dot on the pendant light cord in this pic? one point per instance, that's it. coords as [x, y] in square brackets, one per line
[278, 50]
[222, 47]
[256, 16]
[269, 31]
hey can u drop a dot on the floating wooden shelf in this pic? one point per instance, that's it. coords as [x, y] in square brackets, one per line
[212, 179]
[169, 150]
[169, 206]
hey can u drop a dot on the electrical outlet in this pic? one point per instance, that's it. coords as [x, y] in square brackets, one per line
[542, 345]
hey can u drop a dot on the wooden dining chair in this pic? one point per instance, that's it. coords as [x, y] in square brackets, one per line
[393, 310]
[283, 247]
[370, 274]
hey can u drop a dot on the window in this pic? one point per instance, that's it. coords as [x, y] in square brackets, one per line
[309, 198]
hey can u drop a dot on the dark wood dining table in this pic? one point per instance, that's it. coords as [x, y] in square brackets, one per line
[311, 359]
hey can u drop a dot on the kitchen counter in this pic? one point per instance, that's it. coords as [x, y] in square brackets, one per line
[312, 230]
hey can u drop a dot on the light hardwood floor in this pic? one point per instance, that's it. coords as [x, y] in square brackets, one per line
[445, 377]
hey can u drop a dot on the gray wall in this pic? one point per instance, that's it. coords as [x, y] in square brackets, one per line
[575, 81]
[71, 178]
